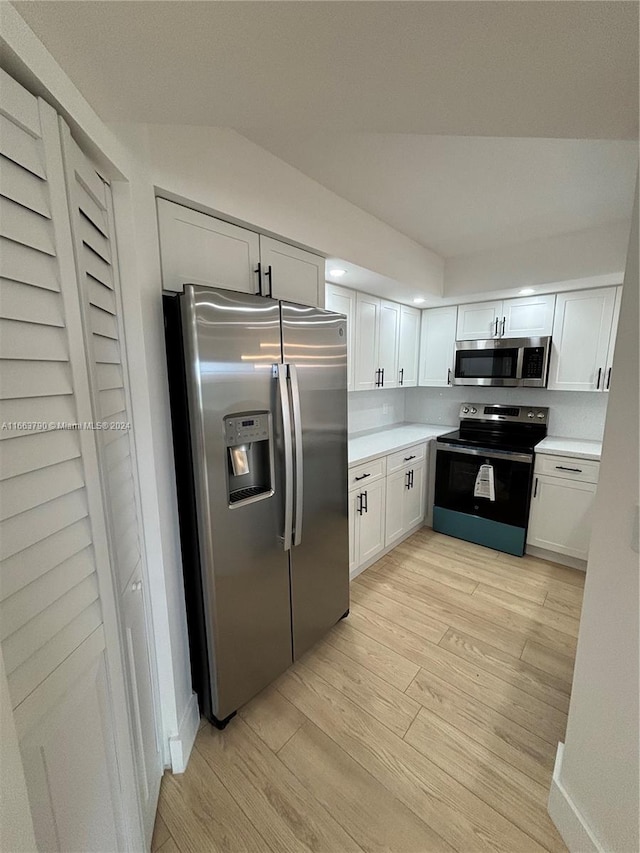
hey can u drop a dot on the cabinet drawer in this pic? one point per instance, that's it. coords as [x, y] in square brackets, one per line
[410, 456]
[367, 473]
[568, 467]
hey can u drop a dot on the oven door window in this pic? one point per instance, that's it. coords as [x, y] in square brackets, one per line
[487, 364]
[456, 475]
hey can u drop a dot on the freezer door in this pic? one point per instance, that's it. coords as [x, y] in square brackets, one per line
[232, 342]
[314, 344]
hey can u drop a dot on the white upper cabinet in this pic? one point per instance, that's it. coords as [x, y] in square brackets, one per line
[291, 273]
[343, 301]
[478, 321]
[582, 331]
[437, 345]
[366, 342]
[524, 317]
[200, 249]
[388, 336]
[527, 317]
[408, 346]
[612, 339]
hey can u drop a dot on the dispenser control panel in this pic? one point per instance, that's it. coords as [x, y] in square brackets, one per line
[243, 429]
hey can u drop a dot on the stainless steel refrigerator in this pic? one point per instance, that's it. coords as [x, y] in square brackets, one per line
[259, 412]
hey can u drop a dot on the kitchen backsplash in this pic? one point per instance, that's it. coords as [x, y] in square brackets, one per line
[373, 409]
[575, 414]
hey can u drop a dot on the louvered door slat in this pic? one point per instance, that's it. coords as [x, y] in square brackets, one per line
[33, 414]
[23, 187]
[96, 266]
[100, 296]
[108, 376]
[29, 304]
[94, 239]
[32, 342]
[20, 263]
[20, 147]
[28, 603]
[29, 565]
[30, 452]
[23, 379]
[37, 487]
[23, 226]
[21, 531]
[103, 323]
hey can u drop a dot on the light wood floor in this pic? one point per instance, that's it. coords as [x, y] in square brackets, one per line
[427, 720]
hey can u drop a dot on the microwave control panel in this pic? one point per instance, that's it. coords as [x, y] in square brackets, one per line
[533, 362]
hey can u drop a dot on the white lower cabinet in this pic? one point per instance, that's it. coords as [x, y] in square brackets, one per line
[561, 514]
[405, 501]
[387, 500]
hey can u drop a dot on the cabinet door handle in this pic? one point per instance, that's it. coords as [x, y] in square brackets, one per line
[599, 375]
[365, 495]
[269, 275]
[382, 377]
[448, 376]
[564, 468]
[362, 477]
[378, 378]
[535, 488]
[409, 458]
[504, 320]
[495, 331]
[359, 507]
[258, 271]
[411, 478]
[407, 485]
[608, 378]
[402, 376]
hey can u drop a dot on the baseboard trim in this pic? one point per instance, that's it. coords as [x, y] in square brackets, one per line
[180, 746]
[353, 573]
[554, 557]
[571, 825]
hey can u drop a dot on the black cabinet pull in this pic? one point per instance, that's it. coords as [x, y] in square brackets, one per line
[535, 488]
[362, 477]
[564, 468]
[448, 376]
[504, 320]
[377, 383]
[608, 378]
[258, 270]
[409, 458]
[365, 495]
[495, 331]
[599, 375]
[269, 275]
[407, 485]
[402, 376]
[411, 480]
[382, 377]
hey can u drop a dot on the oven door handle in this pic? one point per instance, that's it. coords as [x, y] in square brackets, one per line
[486, 452]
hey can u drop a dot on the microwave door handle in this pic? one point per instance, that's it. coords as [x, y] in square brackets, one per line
[282, 373]
[298, 455]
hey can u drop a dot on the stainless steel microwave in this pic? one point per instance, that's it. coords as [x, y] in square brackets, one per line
[504, 363]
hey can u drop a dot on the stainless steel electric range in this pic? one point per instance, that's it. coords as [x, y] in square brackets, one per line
[484, 472]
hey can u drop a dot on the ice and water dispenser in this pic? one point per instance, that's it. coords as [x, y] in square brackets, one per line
[249, 456]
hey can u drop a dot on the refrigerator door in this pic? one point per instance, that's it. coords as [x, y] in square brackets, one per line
[314, 346]
[232, 343]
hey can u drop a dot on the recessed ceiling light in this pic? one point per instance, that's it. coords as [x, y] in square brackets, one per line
[527, 291]
[337, 273]
[419, 300]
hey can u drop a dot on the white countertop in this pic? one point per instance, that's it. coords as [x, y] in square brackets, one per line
[580, 448]
[363, 447]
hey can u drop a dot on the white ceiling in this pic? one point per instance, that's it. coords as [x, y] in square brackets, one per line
[551, 69]
[396, 106]
[459, 195]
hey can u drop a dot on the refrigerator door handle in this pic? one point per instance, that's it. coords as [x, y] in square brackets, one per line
[282, 372]
[299, 457]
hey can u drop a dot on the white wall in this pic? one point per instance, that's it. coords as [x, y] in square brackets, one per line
[594, 800]
[581, 254]
[225, 172]
[376, 409]
[572, 413]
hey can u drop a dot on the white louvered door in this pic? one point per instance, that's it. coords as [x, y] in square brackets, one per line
[59, 629]
[92, 226]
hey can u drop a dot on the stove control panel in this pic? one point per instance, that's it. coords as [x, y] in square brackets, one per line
[501, 413]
